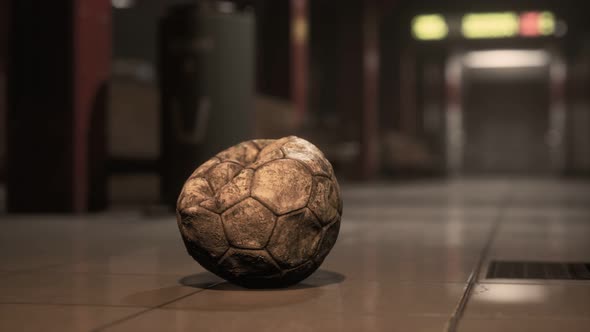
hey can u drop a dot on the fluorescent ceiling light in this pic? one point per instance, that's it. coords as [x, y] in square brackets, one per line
[121, 4]
[490, 25]
[506, 59]
[535, 24]
[429, 27]
[547, 23]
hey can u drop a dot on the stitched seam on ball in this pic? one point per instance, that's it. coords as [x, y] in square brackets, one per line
[243, 198]
[229, 247]
[226, 254]
[273, 257]
[198, 204]
[207, 170]
[227, 183]
[236, 203]
[210, 188]
[317, 221]
[312, 191]
[323, 234]
[255, 146]
[258, 150]
[224, 230]
[281, 147]
[206, 209]
[322, 175]
[332, 223]
[267, 162]
[274, 262]
[334, 188]
[305, 165]
[307, 168]
[243, 248]
[300, 265]
[276, 221]
[261, 139]
[233, 162]
[258, 155]
[266, 206]
[317, 248]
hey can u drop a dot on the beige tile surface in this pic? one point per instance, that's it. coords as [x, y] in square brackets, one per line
[384, 252]
[58, 318]
[212, 321]
[161, 260]
[91, 288]
[524, 325]
[544, 221]
[404, 255]
[348, 297]
[567, 300]
[43, 241]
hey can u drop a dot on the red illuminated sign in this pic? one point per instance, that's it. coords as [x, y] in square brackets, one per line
[529, 24]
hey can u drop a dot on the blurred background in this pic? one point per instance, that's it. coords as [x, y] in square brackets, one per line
[107, 104]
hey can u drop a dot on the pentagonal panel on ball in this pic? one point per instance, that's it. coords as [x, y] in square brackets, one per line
[248, 224]
[203, 228]
[325, 199]
[295, 238]
[282, 185]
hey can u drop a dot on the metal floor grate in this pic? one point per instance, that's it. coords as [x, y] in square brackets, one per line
[538, 270]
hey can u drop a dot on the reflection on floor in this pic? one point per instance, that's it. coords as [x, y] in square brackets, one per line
[404, 262]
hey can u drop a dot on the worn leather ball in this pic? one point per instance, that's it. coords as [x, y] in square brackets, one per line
[263, 213]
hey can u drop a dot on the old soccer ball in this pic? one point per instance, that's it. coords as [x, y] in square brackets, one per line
[263, 213]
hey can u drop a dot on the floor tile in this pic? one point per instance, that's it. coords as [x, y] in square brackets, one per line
[92, 288]
[410, 264]
[58, 318]
[401, 263]
[161, 260]
[60, 239]
[211, 321]
[327, 292]
[418, 249]
[554, 301]
[524, 325]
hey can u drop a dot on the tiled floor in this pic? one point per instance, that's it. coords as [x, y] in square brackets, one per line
[407, 260]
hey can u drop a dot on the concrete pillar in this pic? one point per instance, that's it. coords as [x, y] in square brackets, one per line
[59, 69]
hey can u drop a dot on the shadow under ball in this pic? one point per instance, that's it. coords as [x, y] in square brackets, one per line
[263, 213]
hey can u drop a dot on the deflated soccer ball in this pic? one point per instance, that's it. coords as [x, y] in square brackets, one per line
[263, 213]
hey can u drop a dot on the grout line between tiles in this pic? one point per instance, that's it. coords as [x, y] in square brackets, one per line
[32, 269]
[108, 273]
[453, 322]
[139, 313]
[58, 304]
